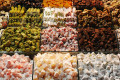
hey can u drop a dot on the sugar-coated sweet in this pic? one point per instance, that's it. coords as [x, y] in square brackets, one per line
[52, 66]
[16, 67]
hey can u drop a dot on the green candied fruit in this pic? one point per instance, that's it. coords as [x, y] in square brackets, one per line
[37, 50]
[21, 45]
[33, 43]
[37, 46]
[23, 49]
[33, 48]
[1, 46]
[16, 42]
[29, 42]
[7, 43]
[7, 49]
[3, 37]
[39, 25]
[12, 49]
[27, 49]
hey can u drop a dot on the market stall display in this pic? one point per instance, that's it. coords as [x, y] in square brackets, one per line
[52, 66]
[57, 30]
[57, 17]
[88, 4]
[98, 66]
[94, 18]
[24, 39]
[3, 19]
[16, 67]
[102, 39]
[59, 39]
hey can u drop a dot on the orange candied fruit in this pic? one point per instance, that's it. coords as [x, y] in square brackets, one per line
[57, 3]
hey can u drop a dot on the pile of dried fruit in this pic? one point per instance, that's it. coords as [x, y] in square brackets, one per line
[102, 39]
[20, 39]
[88, 4]
[94, 18]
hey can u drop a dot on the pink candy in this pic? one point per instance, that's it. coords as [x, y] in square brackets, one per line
[59, 39]
[15, 67]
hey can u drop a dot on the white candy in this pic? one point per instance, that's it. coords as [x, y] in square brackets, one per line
[98, 66]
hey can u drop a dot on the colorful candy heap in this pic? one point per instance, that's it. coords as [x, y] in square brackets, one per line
[53, 17]
[99, 66]
[16, 14]
[33, 17]
[57, 17]
[59, 39]
[53, 66]
[16, 67]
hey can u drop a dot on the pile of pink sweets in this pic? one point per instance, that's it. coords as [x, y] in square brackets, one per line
[16, 67]
[59, 39]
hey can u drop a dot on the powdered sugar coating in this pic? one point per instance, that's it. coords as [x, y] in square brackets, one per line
[99, 66]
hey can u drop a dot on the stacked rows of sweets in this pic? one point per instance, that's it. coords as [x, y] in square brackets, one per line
[15, 16]
[20, 17]
[60, 66]
[57, 17]
[33, 17]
